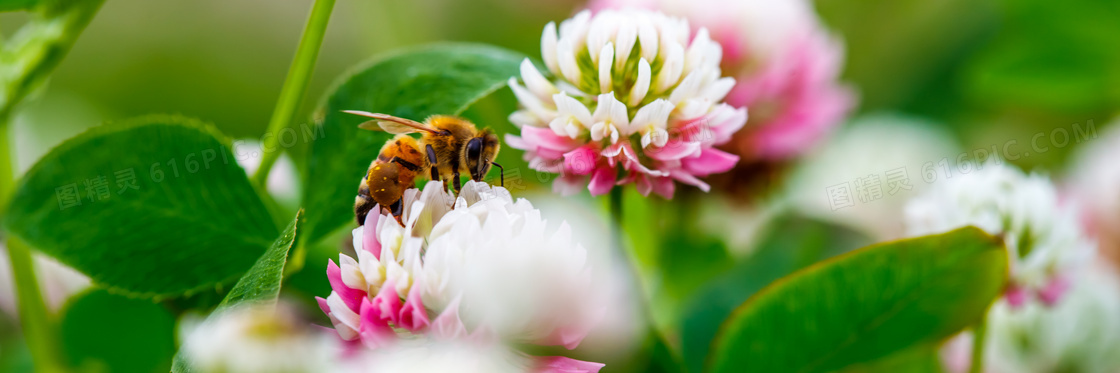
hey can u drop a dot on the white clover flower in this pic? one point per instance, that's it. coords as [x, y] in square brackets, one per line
[634, 89]
[481, 266]
[1081, 334]
[257, 338]
[1043, 236]
[510, 271]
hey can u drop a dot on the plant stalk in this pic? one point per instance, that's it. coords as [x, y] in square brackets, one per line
[26, 60]
[618, 241]
[979, 336]
[295, 86]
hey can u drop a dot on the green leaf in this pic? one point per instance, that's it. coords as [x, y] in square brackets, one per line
[105, 332]
[793, 243]
[260, 285]
[865, 305]
[925, 358]
[415, 83]
[154, 207]
[262, 282]
[14, 5]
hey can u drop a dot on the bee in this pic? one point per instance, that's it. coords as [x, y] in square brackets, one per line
[447, 147]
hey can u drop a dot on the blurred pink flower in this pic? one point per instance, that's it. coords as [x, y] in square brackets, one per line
[786, 65]
[636, 99]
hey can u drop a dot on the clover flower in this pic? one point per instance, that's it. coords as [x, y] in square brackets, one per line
[1094, 180]
[787, 67]
[480, 267]
[1043, 237]
[636, 99]
[1080, 334]
[258, 338]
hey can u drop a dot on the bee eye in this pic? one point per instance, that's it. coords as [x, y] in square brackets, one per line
[474, 148]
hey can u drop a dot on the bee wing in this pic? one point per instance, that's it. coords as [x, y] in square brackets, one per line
[390, 124]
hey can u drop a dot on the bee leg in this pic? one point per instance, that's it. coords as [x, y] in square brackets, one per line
[363, 203]
[458, 183]
[406, 164]
[501, 172]
[432, 162]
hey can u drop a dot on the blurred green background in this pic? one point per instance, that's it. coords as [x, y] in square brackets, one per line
[989, 71]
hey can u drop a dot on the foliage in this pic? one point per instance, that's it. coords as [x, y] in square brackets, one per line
[865, 305]
[171, 214]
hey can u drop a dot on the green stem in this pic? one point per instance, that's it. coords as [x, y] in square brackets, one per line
[32, 309]
[979, 336]
[26, 60]
[295, 85]
[616, 219]
[617, 239]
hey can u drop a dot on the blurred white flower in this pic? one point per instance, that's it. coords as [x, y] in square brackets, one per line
[880, 156]
[1095, 185]
[1081, 334]
[485, 267]
[1044, 237]
[258, 338]
[283, 180]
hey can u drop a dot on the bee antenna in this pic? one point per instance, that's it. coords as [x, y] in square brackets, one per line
[501, 172]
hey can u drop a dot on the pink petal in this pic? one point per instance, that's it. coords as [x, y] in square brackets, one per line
[641, 182]
[414, 316]
[323, 305]
[673, 151]
[370, 240]
[687, 178]
[710, 161]
[517, 142]
[580, 161]
[544, 139]
[387, 304]
[375, 332]
[663, 186]
[569, 337]
[352, 297]
[1016, 295]
[1053, 291]
[568, 185]
[560, 364]
[448, 325]
[602, 181]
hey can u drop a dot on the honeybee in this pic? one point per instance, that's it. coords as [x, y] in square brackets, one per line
[447, 147]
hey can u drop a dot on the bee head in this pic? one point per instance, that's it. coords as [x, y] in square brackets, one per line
[480, 153]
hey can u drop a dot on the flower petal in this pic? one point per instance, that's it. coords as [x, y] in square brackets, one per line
[641, 86]
[387, 303]
[413, 315]
[560, 364]
[580, 161]
[535, 81]
[710, 161]
[606, 61]
[375, 332]
[602, 181]
[351, 297]
[549, 47]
